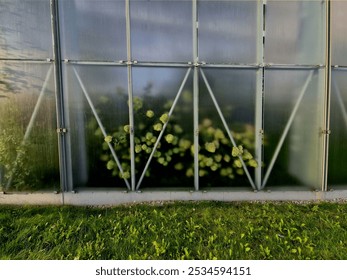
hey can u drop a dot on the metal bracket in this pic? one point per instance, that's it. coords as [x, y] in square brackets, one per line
[326, 131]
[128, 62]
[197, 64]
[61, 130]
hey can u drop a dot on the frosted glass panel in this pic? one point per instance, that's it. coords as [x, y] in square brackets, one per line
[234, 91]
[228, 31]
[154, 92]
[295, 32]
[25, 29]
[28, 138]
[161, 30]
[338, 125]
[300, 159]
[93, 30]
[338, 32]
[92, 161]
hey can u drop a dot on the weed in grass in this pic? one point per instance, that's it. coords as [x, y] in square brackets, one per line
[204, 230]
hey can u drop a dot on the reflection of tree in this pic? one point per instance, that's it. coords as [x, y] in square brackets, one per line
[25, 30]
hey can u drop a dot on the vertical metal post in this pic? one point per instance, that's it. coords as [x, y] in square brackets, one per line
[328, 85]
[63, 141]
[260, 92]
[196, 94]
[130, 95]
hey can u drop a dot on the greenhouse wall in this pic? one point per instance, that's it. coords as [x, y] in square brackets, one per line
[122, 100]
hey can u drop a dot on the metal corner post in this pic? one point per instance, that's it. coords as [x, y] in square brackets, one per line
[64, 147]
[130, 95]
[195, 25]
[328, 86]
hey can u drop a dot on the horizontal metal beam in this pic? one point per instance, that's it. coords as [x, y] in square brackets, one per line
[293, 66]
[339, 67]
[171, 64]
[33, 60]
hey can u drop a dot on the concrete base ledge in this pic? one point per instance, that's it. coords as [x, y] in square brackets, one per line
[118, 197]
[31, 198]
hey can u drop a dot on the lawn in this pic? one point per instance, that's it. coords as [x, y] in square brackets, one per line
[177, 230]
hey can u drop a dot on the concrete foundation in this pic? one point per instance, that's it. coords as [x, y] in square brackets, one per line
[111, 197]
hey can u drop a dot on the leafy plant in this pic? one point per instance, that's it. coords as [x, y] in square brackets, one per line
[175, 150]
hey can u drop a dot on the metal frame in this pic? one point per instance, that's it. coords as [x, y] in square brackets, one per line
[195, 26]
[130, 94]
[328, 78]
[196, 66]
[260, 92]
[66, 182]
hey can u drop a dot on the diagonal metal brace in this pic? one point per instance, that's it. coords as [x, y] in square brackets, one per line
[287, 127]
[227, 128]
[101, 126]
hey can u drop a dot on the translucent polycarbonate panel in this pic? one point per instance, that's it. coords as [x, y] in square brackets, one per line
[228, 31]
[155, 90]
[106, 88]
[93, 30]
[297, 93]
[295, 32]
[338, 125]
[234, 91]
[338, 32]
[161, 30]
[25, 29]
[28, 138]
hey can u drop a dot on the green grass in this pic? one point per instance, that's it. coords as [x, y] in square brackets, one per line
[203, 230]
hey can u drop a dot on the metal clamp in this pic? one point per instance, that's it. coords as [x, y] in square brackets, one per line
[61, 130]
[197, 64]
[326, 131]
[128, 62]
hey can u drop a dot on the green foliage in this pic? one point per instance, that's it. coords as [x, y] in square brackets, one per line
[204, 230]
[217, 155]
